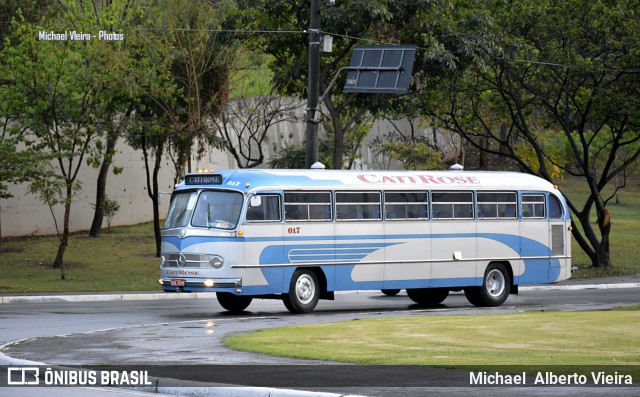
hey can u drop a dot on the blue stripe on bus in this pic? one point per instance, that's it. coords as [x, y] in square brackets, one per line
[536, 270]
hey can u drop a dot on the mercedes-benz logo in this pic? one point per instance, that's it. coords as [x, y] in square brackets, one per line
[182, 261]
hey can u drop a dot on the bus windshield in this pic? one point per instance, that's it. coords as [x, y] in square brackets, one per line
[212, 209]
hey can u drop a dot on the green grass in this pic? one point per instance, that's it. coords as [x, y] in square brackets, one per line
[123, 260]
[532, 339]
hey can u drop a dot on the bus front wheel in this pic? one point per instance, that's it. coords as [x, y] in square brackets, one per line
[390, 292]
[495, 289]
[428, 296]
[233, 303]
[303, 292]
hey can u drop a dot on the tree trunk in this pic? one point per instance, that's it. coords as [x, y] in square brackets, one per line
[483, 156]
[152, 188]
[101, 189]
[603, 250]
[59, 261]
[155, 199]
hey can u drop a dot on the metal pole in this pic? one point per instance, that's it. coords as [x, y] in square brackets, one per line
[313, 88]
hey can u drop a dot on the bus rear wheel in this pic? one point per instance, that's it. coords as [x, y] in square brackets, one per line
[495, 289]
[233, 303]
[390, 292]
[304, 292]
[428, 296]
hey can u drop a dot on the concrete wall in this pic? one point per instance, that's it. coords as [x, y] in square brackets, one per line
[25, 214]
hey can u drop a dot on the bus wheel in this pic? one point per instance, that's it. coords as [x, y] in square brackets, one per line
[233, 303]
[495, 289]
[303, 292]
[390, 292]
[428, 296]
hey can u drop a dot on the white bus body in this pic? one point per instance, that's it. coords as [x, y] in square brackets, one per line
[301, 235]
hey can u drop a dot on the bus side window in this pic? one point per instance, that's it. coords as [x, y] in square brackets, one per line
[452, 205]
[406, 205]
[496, 205]
[358, 205]
[307, 206]
[264, 208]
[555, 209]
[533, 206]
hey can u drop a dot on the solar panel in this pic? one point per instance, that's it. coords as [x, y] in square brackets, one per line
[381, 69]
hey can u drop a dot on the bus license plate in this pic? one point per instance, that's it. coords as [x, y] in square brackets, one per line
[177, 283]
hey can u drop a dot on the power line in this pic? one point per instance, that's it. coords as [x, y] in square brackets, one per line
[361, 39]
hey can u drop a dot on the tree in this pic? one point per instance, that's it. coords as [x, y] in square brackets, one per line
[350, 23]
[201, 57]
[55, 89]
[118, 92]
[180, 65]
[244, 123]
[558, 93]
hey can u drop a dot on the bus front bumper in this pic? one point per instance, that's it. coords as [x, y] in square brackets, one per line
[199, 284]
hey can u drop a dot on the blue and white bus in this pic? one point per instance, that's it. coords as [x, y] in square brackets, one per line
[302, 235]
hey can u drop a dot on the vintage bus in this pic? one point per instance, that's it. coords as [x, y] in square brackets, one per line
[302, 235]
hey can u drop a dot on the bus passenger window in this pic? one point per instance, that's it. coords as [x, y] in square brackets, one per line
[358, 205]
[533, 206]
[264, 208]
[555, 209]
[452, 205]
[496, 205]
[307, 206]
[406, 205]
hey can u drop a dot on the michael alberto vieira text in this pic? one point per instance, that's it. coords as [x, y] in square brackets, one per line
[550, 379]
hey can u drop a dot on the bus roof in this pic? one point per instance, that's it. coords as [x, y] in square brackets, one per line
[265, 179]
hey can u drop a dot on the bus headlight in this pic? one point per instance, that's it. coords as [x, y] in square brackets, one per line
[216, 261]
[208, 283]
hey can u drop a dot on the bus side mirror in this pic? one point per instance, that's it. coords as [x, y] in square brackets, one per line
[255, 201]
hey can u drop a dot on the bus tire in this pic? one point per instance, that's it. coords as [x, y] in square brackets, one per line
[304, 292]
[428, 296]
[495, 289]
[390, 292]
[233, 303]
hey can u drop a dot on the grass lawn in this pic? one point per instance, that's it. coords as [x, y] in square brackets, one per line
[529, 339]
[123, 260]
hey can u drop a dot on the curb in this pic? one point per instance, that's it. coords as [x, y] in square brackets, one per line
[211, 295]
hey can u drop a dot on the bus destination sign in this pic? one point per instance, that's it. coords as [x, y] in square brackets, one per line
[203, 179]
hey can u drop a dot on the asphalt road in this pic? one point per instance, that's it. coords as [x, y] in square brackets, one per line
[170, 333]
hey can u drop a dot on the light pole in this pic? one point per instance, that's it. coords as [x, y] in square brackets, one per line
[313, 87]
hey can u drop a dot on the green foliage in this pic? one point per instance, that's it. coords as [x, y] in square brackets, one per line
[292, 157]
[418, 155]
[22, 166]
[350, 23]
[556, 92]
[111, 207]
